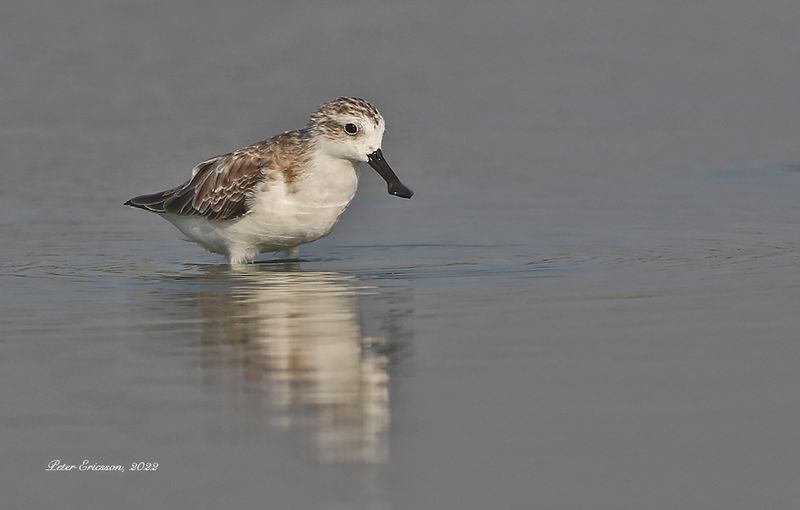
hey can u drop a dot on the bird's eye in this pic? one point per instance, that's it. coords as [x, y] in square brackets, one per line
[351, 128]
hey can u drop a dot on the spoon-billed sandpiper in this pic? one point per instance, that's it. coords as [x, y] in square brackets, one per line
[282, 192]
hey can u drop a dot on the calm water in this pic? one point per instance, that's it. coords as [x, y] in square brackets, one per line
[590, 302]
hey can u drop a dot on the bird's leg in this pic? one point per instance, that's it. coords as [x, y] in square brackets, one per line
[238, 256]
[292, 253]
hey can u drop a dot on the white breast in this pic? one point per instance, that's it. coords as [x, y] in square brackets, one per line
[287, 215]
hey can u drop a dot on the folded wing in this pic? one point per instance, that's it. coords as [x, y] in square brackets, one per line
[219, 189]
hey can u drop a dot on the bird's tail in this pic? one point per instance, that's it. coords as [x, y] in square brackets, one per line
[153, 202]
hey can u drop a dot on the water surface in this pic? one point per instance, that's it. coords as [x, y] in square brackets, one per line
[590, 302]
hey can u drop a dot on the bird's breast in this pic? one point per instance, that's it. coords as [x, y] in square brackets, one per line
[307, 208]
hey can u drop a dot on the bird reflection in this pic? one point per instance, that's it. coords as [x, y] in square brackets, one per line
[296, 337]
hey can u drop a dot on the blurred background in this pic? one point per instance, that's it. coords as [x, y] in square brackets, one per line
[589, 302]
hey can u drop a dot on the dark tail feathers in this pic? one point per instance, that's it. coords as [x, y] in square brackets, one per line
[153, 202]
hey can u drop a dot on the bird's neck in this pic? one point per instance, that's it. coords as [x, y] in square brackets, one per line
[330, 180]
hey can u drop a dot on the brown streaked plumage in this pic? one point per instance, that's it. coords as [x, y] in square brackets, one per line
[220, 187]
[324, 121]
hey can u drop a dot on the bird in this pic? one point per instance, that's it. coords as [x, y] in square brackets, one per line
[282, 192]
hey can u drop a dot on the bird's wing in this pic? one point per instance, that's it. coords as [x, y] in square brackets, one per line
[219, 188]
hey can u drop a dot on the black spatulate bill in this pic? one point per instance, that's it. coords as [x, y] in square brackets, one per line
[380, 165]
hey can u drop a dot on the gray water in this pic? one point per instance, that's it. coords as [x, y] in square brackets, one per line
[590, 302]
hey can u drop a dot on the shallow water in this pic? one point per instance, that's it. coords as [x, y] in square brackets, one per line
[590, 302]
